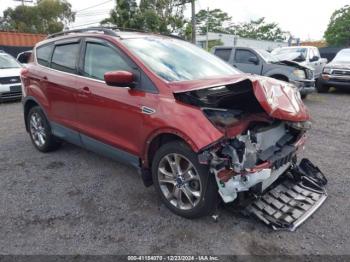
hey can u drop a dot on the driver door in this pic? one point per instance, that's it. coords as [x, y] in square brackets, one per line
[243, 60]
[107, 115]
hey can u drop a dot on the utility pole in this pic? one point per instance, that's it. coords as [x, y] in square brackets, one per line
[193, 21]
[207, 40]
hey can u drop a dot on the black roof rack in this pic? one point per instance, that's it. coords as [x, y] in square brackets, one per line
[107, 30]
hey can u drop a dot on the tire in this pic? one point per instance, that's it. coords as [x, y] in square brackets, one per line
[190, 194]
[40, 131]
[303, 96]
[321, 88]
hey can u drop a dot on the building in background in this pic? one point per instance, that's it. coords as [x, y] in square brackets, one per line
[232, 40]
[14, 43]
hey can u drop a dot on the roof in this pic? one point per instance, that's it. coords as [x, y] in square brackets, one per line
[20, 39]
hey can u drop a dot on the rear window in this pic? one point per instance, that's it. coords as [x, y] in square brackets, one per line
[64, 57]
[43, 54]
[224, 54]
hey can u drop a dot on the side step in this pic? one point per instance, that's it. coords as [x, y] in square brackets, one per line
[290, 203]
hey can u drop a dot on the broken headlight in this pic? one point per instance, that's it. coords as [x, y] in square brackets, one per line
[306, 125]
[299, 73]
[222, 117]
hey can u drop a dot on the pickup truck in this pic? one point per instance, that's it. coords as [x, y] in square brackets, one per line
[261, 62]
[305, 55]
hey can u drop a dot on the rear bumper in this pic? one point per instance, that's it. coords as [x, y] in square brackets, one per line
[305, 87]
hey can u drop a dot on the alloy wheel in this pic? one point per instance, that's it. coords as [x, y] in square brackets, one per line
[37, 129]
[179, 181]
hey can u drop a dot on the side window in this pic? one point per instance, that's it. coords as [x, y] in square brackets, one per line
[317, 53]
[224, 54]
[100, 59]
[43, 54]
[243, 56]
[64, 57]
[311, 53]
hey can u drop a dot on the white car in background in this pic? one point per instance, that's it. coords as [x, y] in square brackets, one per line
[10, 81]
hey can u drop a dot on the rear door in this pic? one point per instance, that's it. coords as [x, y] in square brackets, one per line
[107, 114]
[223, 53]
[243, 60]
[58, 80]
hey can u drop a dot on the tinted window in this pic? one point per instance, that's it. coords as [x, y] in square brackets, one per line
[224, 54]
[64, 57]
[100, 59]
[43, 54]
[242, 56]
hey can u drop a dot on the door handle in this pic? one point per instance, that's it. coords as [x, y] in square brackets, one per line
[86, 90]
[44, 78]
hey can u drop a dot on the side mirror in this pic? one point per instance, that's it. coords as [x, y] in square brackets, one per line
[314, 59]
[300, 58]
[253, 60]
[119, 78]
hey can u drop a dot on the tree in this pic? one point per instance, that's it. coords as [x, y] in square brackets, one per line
[258, 29]
[124, 14]
[48, 16]
[163, 16]
[212, 21]
[338, 31]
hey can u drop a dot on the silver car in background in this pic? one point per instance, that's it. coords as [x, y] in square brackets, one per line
[10, 81]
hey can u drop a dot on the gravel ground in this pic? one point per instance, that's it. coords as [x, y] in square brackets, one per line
[75, 202]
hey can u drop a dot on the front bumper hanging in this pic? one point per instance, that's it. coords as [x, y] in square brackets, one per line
[287, 205]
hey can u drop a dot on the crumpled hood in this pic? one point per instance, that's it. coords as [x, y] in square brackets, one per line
[279, 99]
[295, 64]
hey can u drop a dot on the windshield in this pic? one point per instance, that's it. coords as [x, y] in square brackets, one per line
[7, 61]
[176, 60]
[342, 56]
[292, 54]
[268, 57]
[300, 51]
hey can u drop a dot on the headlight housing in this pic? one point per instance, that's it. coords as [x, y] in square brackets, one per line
[327, 70]
[299, 73]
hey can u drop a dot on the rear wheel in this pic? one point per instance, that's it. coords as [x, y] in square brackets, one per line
[185, 186]
[40, 131]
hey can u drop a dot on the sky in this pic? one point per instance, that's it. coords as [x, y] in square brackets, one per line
[307, 19]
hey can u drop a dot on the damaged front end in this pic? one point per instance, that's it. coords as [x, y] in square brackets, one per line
[264, 123]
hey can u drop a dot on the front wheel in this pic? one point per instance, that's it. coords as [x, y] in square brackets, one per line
[321, 88]
[185, 186]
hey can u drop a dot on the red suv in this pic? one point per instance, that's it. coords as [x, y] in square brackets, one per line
[192, 125]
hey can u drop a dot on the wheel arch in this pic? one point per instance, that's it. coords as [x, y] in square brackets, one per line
[29, 103]
[279, 76]
[160, 138]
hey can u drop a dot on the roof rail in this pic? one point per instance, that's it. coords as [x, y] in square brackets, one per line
[105, 30]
